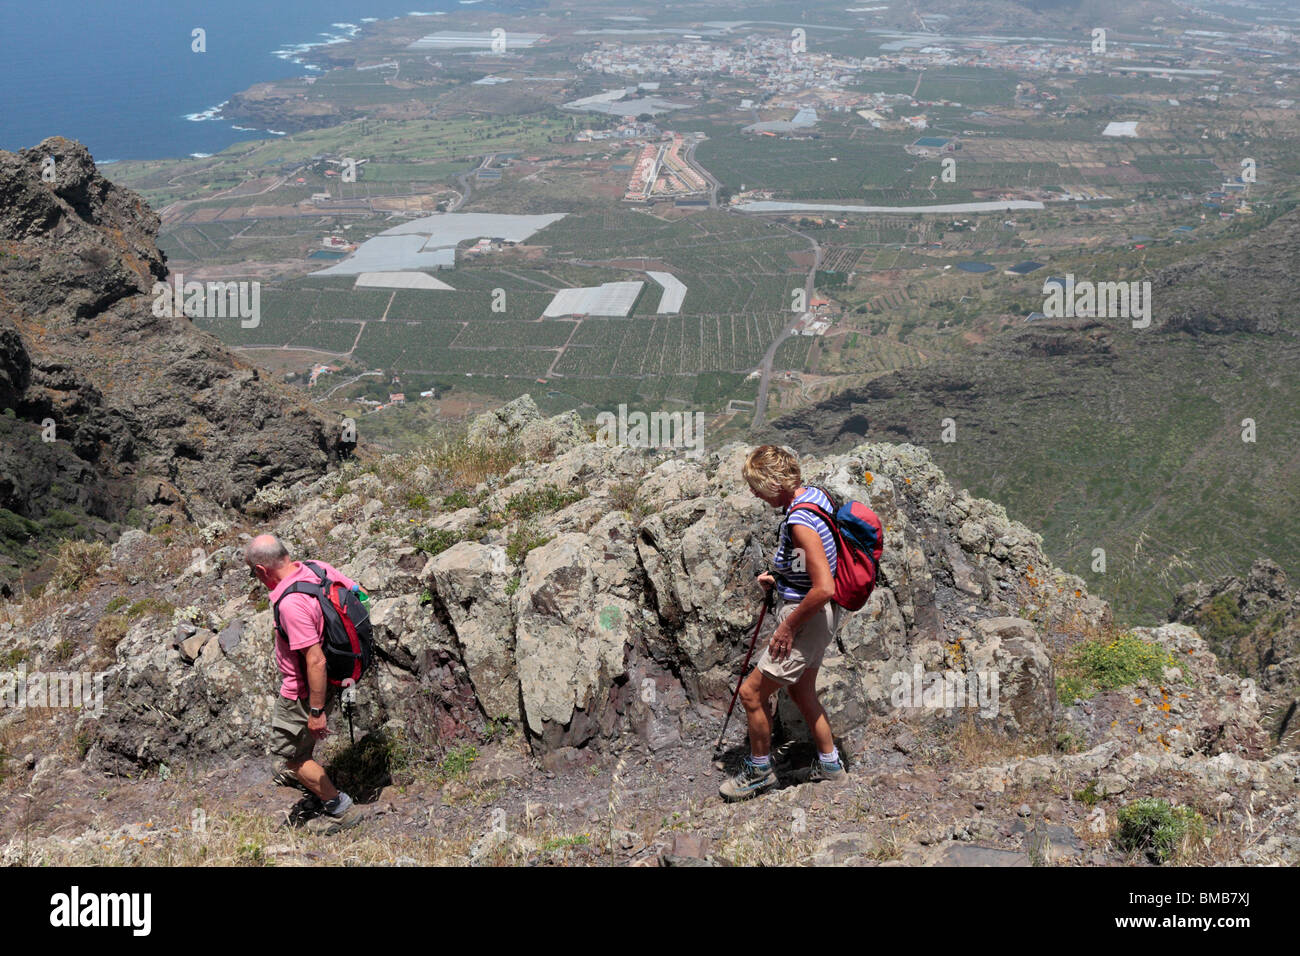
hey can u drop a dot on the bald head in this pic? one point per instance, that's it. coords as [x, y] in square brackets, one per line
[266, 551]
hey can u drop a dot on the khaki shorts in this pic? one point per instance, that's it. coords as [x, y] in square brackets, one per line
[810, 643]
[291, 741]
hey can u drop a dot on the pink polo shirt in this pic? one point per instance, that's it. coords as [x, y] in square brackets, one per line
[303, 623]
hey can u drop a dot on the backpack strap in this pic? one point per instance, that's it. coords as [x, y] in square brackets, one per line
[317, 590]
[828, 519]
[783, 531]
[819, 511]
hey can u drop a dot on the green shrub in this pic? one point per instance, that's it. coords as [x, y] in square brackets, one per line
[14, 657]
[149, 606]
[524, 539]
[1220, 622]
[116, 604]
[1097, 665]
[560, 843]
[498, 728]
[457, 761]
[457, 500]
[60, 520]
[542, 501]
[1161, 831]
[16, 527]
[435, 542]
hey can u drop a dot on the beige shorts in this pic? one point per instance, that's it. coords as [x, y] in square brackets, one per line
[291, 741]
[810, 642]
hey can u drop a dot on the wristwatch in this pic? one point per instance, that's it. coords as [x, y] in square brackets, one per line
[316, 711]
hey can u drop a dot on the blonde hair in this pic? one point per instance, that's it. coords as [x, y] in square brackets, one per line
[772, 471]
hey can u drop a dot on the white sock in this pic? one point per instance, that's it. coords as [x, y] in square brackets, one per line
[832, 757]
[760, 761]
[339, 804]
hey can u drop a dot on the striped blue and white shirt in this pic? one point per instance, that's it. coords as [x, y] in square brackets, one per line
[795, 580]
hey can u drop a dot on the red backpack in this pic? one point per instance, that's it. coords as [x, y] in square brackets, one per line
[345, 633]
[859, 543]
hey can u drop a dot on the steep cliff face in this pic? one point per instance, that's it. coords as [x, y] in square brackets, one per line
[106, 406]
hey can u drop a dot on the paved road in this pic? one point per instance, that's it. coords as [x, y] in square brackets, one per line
[760, 405]
[714, 185]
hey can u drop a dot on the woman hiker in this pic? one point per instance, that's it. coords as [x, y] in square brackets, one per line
[806, 620]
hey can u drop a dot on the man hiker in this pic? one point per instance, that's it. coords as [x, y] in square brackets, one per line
[805, 619]
[299, 716]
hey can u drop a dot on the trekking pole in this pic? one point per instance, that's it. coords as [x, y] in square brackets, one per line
[350, 699]
[767, 601]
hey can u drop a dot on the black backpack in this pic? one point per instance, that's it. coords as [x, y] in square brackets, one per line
[346, 637]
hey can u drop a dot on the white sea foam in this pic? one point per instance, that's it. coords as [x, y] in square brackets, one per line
[211, 113]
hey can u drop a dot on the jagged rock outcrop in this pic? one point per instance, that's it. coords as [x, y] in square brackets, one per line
[1253, 625]
[107, 407]
[620, 618]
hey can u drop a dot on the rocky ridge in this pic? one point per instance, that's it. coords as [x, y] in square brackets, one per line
[1253, 625]
[145, 412]
[599, 631]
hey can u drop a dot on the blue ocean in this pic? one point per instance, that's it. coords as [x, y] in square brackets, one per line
[121, 75]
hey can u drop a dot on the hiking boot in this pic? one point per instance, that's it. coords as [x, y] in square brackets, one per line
[304, 810]
[823, 772]
[748, 782]
[346, 816]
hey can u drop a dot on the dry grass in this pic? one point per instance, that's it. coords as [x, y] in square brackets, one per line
[247, 839]
[969, 745]
[626, 496]
[458, 464]
[109, 631]
[757, 843]
[76, 563]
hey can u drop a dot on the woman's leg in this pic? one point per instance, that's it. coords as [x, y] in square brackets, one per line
[755, 691]
[804, 694]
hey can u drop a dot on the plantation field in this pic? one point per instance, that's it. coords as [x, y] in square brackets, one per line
[833, 167]
[970, 86]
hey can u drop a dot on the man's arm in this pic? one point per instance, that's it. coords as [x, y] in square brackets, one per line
[317, 682]
[301, 618]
